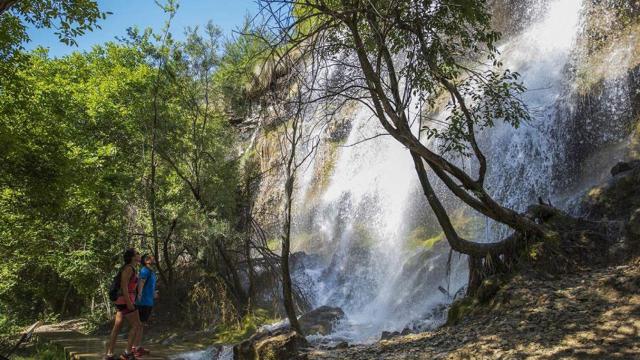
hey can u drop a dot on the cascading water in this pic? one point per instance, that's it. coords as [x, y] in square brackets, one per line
[523, 161]
[218, 353]
[359, 223]
[361, 219]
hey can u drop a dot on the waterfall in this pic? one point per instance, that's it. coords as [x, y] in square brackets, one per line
[359, 225]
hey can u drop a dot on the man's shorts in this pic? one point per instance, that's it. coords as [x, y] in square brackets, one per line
[145, 312]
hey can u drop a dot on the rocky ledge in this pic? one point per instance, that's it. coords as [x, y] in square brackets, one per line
[590, 315]
[283, 343]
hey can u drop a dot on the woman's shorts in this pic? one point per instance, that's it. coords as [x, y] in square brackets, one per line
[122, 308]
[145, 312]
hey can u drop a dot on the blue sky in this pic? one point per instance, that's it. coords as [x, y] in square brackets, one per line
[227, 14]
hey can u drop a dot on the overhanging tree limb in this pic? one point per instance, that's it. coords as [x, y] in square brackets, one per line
[5, 5]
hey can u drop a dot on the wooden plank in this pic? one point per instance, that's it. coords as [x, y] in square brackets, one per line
[83, 347]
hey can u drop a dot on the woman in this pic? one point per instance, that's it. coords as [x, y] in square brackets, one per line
[125, 306]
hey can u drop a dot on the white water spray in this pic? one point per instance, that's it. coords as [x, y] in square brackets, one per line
[361, 220]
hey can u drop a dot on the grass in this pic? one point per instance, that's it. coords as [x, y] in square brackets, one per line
[231, 334]
[43, 351]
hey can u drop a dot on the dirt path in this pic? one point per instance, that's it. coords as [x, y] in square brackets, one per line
[592, 315]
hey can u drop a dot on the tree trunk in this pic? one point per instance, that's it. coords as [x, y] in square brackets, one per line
[476, 251]
[250, 273]
[63, 308]
[151, 195]
[235, 284]
[171, 290]
[287, 287]
[475, 274]
[457, 243]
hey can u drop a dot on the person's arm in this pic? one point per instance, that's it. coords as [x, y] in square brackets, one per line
[156, 293]
[127, 273]
[142, 279]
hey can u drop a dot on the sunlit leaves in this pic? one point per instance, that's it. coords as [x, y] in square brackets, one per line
[69, 18]
[431, 47]
[69, 131]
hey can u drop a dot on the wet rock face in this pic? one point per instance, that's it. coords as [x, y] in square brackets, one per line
[321, 320]
[602, 106]
[607, 18]
[512, 16]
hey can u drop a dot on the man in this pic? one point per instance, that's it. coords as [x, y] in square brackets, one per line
[147, 293]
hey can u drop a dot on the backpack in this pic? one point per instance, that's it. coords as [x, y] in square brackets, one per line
[114, 288]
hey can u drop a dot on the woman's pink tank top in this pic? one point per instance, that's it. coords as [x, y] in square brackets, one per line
[131, 286]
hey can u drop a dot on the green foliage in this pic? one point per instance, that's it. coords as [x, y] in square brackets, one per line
[438, 47]
[76, 136]
[69, 18]
[235, 77]
[129, 144]
[66, 126]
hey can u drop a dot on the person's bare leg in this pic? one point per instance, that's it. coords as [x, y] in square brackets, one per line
[138, 340]
[134, 321]
[117, 325]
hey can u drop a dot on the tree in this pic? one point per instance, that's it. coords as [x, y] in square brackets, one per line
[404, 55]
[191, 142]
[292, 100]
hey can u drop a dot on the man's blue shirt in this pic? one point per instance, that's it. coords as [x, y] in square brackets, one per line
[146, 298]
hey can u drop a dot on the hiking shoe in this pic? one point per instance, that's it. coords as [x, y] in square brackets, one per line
[141, 352]
[127, 356]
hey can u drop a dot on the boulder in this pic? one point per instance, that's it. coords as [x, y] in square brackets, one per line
[278, 345]
[624, 166]
[407, 331]
[342, 345]
[170, 339]
[634, 223]
[386, 335]
[320, 320]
